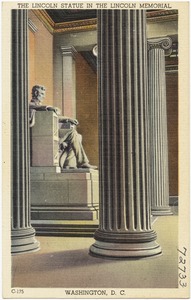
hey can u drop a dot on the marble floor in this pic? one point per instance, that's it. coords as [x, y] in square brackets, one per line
[65, 262]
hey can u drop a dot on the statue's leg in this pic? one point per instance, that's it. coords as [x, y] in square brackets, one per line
[70, 161]
[67, 157]
[62, 158]
[74, 140]
[80, 137]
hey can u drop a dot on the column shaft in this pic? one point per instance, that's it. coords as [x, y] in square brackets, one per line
[69, 82]
[22, 233]
[125, 224]
[158, 126]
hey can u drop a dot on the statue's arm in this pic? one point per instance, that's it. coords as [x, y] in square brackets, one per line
[45, 108]
[32, 117]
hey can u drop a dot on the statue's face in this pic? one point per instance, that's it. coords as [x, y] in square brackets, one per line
[40, 94]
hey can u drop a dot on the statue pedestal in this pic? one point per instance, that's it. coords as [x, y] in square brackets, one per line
[61, 198]
[44, 140]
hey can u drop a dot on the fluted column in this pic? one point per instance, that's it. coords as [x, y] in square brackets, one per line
[157, 48]
[22, 234]
[125, 214]
[68, 81]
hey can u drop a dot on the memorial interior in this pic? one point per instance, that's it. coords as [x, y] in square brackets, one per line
[64, 210]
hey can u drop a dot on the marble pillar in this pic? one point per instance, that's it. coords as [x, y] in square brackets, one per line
[68, 81]
[125, 213]
[22, 233]
[157, 48]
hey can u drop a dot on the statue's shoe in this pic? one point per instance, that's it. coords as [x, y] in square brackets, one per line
[88, 166]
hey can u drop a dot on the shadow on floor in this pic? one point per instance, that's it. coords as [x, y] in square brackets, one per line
[59, 260]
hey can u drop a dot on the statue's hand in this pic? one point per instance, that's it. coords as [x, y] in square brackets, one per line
[55, 109]
[50, 108]
[74, 121]
[63, 146]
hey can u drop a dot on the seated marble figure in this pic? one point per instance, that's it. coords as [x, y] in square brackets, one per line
[72, 153]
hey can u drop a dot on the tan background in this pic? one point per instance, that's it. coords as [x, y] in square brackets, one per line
[41, 58]
[87, 107]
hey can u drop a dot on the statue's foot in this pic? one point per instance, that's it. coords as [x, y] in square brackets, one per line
[88, 166]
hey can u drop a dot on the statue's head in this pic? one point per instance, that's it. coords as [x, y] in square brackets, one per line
[38, 93]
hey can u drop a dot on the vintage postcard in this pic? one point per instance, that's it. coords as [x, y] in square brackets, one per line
[95, 145]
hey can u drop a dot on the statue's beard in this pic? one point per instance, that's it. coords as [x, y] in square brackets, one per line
[39, 100]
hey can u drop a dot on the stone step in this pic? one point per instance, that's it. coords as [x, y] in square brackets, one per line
[65, 228]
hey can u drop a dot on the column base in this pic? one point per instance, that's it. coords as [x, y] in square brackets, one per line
[133, 247]
[161, 211]
[23, 241]
[124, 251]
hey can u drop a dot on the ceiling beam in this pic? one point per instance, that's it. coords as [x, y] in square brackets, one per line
[91, 24]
